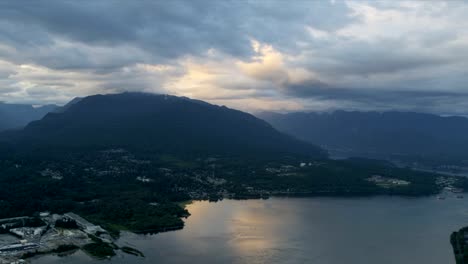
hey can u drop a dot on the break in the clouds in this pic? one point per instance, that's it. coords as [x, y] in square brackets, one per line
[253, 55]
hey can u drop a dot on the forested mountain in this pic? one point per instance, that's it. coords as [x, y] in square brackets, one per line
[388, 133]
[159, 123]
[127, 160]
[13, 116]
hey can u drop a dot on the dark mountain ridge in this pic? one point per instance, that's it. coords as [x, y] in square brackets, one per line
[158, 123]
[13, 116]
[388, 133]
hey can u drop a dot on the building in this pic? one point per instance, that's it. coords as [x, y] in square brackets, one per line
[84, 224]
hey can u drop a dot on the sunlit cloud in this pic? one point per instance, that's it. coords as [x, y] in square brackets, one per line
[403, 55]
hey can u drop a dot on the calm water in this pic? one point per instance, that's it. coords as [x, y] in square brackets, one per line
[384, 230]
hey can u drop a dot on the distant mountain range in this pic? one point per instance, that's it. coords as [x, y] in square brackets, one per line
[170, 124]
[14, 116]
[378, 134]
[158, 123]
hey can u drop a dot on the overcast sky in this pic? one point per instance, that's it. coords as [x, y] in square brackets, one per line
[251, 55]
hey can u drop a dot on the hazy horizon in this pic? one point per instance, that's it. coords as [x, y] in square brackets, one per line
[258, 112]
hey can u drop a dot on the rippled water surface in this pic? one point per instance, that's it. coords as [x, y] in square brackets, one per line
[384, 230]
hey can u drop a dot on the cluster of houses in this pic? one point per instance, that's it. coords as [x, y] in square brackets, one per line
[386, 182]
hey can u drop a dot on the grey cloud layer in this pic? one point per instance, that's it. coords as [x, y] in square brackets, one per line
[161, 29]
[363, 55]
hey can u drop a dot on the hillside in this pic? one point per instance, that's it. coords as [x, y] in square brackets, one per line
[13, 116]
[377, 134]
[159, 123]
[106, 170]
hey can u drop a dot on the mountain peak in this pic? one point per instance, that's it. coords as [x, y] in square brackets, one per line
[160, 123]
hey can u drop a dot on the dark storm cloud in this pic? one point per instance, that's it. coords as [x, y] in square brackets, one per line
[435, 101]
[366, 95]
[362, 58]
[162, 29]
[385, 54]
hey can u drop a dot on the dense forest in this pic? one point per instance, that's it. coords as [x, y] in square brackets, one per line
[157, 124]
[141, 192]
